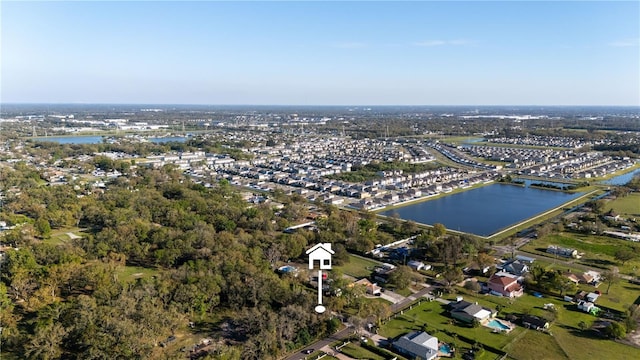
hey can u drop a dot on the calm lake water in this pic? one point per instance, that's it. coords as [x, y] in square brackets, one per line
[168, 139]
[98, 139]
[622, 179]
[486, 210]
[72, 139]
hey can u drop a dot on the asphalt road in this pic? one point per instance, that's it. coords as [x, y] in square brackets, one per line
[344, 333]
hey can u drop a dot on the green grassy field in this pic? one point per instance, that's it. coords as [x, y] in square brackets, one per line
[61, 236]
[564, 341]
[598, 250]
[628, 206]
[358, 267]
[578, 346]
[580, 242]
[566, 334]
[519, 146]
[357, 352]
[620, 296]
[545, 348]
[438, 324]
[130, 273]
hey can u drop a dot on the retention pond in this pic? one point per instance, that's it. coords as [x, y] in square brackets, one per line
[485, 210]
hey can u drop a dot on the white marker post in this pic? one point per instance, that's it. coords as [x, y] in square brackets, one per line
[322, 253]
[320, 308]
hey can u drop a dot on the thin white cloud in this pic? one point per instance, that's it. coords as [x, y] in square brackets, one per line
[460, 42]
[626, 43]
[349, 45]
[429, 43]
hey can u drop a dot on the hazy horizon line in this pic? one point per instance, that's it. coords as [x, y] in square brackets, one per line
[319, 105]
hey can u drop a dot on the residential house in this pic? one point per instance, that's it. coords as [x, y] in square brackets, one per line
[525, 259]
[381, 273]
[586, 306]
[564, 252]
[584, 296]
[580, 295]
[592, 297]
[590, 277]
[516, 267]
[371, 288]
[418, 265]
[612, 216]
[417, 345]
[572, 277]
[505, 286]
[467, 312]
[534, 322]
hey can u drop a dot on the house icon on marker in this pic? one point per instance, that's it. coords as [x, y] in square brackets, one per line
[321, 253]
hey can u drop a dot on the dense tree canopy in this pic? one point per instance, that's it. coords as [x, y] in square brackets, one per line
[212, 253]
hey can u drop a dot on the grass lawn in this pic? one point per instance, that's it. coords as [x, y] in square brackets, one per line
[486, 143]
[567, 338]
[565, 341]
[579, 346]
[628, 206]
[544, 344]
[433, 314]
[358, 267]
[581, 242]
[598, 250]
[404, 292]
[130, 273]
[357, 352]
[60, 236]
[620, 296]
[365, 300]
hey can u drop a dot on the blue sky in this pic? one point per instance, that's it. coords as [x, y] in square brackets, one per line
[322, 53]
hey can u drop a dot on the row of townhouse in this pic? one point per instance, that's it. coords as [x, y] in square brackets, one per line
[546, 141]
[518, 157]
[452, 154]
[403, 195]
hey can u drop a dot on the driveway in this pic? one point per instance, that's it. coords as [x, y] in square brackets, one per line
[391, 297]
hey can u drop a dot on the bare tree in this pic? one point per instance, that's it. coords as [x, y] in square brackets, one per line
[610, 276]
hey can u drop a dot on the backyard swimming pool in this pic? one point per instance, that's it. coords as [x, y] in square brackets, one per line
[445, 349]
[497, 324]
